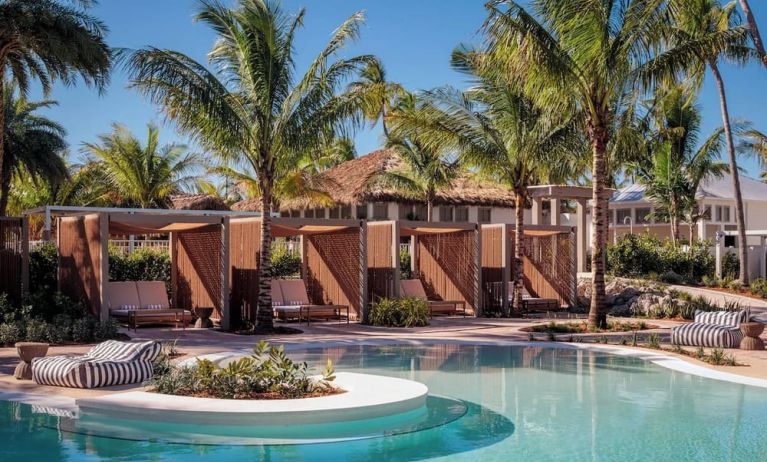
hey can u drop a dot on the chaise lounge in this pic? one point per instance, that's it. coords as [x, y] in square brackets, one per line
[716, 329]
[108, 363]
[144, 302]
[414, 288]
[290, 300]
[530, 303]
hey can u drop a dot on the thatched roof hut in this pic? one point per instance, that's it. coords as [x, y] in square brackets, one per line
[197, 202]
[349, 184]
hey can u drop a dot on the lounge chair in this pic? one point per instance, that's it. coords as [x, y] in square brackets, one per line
[715, 329]
[530, 303]
[291, 301]
[144, 302]
[108, 363]
[414, 288]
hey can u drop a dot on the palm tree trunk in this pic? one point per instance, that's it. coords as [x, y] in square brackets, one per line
[3, 194]
[598, 134]
[739, 215]
[383, 122]
[755, 35]
[264, 313]
[519, 251]
[429, 205]
[5, 188]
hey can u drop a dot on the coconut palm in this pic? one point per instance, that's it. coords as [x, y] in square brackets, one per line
[250, 109]
[573, 56]
[756, 37]
[378, 95]
[142, 176]
[501, 132]
[48, 41]
[32, 143]
[754, 142]
[703, 34]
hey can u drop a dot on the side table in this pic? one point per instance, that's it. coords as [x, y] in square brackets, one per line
[203, 317]
[751, 332]
[28, 351]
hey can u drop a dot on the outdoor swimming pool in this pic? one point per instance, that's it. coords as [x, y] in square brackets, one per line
[522, 403]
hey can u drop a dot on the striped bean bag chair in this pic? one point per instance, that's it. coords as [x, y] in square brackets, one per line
[108, 363]
[716, 329]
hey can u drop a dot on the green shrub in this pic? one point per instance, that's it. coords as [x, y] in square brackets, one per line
[405, 262]
[38, 331]
[647, 256]
[82, 330]
[401, 312]
[730, 266]
[44, 267]
[285, 264]
[10, 333]
[759, 287]
[141, 265]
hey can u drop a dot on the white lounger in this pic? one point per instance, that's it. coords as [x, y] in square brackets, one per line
[108, 363]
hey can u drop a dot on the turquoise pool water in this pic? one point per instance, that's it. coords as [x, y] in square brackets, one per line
[522, 404]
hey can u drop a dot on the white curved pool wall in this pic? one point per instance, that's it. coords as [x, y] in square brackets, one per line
[365, 397]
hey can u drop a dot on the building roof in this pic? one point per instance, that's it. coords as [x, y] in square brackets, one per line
[712, 188]
[197, 202]
[349, 184]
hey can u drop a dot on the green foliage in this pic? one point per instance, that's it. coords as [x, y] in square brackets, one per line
[645, 255]
[730, 266]
[284, 263]
[401, 312]
[405, 262]
[139, 265]
[267, 372]
[653, 341]
[43, 267]
[681, 305]
[759, 287]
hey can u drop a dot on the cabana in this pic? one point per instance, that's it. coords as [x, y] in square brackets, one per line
[444, 257]
[549, 265]
[198, 251]
[333, 266]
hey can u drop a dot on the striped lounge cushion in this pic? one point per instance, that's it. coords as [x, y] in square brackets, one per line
[721, 318]
[706, 335]
[109, 363]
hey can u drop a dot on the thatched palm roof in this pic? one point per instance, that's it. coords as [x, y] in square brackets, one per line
[349, 184]
[197, 202]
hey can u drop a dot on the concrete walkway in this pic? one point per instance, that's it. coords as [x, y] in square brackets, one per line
[758, 307]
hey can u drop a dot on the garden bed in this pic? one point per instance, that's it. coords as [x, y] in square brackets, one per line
[583, 327]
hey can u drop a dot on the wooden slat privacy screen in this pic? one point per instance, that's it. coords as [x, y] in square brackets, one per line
[548, 266]
[197, 257]
[447, 266]
[333, 269]
[13, 260]
[80, 259]
[494, 266]
[379, 258]
[244, 252]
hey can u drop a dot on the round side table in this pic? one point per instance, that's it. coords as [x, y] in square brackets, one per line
[28, 351]
[751, 332]
[203, 317]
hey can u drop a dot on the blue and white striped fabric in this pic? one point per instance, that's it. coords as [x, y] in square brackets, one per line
[109, 363]
[716, 329]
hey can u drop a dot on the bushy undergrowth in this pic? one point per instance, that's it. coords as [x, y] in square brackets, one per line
[646, 256]
[284, 263]
[266, 374]
[400, 312]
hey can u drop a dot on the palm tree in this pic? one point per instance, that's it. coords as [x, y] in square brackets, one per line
[249, 109]
[756, 37]
[578, 57]
[142, 176]
[32, 143]
[499, 131]
[703, 33]
[378, 95]
[754, 142]
[49, 41]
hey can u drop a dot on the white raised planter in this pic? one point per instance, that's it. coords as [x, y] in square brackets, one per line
[365, 397]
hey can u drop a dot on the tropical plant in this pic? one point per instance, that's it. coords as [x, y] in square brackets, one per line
[400, 312]
[249, 109]
[379, 96]
[578, 56]
[754, 142]
[48, 41]
[33, 144]
[701, 35]
[756, 37]
[141, 176]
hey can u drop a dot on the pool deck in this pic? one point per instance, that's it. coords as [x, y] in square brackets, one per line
[193, 342]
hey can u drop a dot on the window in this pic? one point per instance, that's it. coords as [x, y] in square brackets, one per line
[641, 215]
[462, 214]
[319, 213]
[346, 212]
[334, 213]
[362, 212]
[380, 211]
[295, 213]
[285, 213]
[421, 212]
[484, 215]
[309, 213]
[405, 211]
[706, 212]
[722, 213]
[622, 215]
[446, 213]
[729, 241]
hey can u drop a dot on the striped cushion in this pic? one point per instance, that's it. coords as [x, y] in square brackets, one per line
[721, 318]
[128, 307]
[82, 372]
[706, 335]
[125, 351]
[158, 306]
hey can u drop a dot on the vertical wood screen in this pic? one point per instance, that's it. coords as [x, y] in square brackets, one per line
[12, 257]
[197, 257]
[380, 270]
[548, 266]
[333, 269]
[80, 259]
[244, 253]
[447, 266]
[493, 266]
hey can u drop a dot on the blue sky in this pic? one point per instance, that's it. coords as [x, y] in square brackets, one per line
[413, 38]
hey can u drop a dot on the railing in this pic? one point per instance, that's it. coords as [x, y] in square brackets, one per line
[128, 246]
[404, 248]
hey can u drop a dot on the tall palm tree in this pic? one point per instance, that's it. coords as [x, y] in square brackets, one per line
[575, 56]
[142, 176]
[501, 132]
[249, 108]
[702, 34]
[754, 142]
[756, 37]
[32, 143]
[378, 95]
[48, 40]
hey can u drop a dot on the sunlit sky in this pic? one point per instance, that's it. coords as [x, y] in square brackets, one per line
[413, 38]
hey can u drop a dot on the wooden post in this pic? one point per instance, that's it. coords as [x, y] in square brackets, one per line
[574, 266]
[226, 319]
[172, 252]
[537, 211]
[582, 234]
[395, 258]
[24, 256]
[478, 305]
[363, 268]
[104, 267]
[506, 247]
